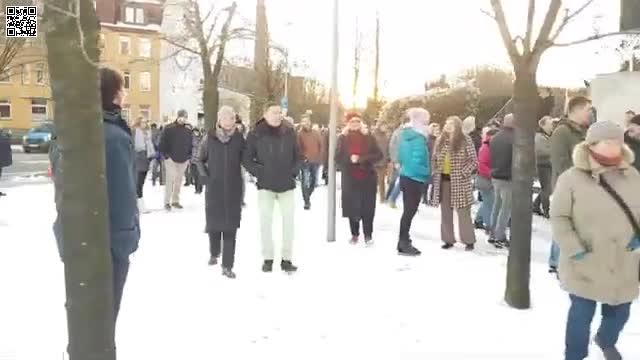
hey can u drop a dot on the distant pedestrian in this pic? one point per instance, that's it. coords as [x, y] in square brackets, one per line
[325, 156]
[219, 160]
[415, 171]
[453, 164]
[124, 219]
[176, 145]
[568, 133]
[502, 180]
[632, 139]
[594, 216]
[310, 143]
[193, 176]
[157, 166]
[630, 114]
[383, 168]
[434, 134]
[6, 158]
[483, 181]
[541, 204]
[470, 129]
[356, 155]
[273, 157]
[145, 151]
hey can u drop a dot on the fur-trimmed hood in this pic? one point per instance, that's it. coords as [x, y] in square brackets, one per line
[583, 160]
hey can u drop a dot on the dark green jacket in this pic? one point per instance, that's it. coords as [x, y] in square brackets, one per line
[563, 140]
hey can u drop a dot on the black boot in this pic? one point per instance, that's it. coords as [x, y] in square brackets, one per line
[213, 261]
[228, 273]
[267, 266]
[287, 266]
[479, 225]
[405, 248]
[447, 246]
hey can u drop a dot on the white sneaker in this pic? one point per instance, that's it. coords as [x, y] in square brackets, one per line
[141, 208]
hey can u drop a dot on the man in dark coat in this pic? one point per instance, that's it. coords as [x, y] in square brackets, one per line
[632, 139]
[501, 163]
[273, 157]
[6, 158]
[176, 146]
[124, 223]
[310, 143]
[219, 160]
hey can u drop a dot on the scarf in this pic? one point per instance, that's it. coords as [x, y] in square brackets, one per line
[224, 135]
[606, 161]
[357, 145]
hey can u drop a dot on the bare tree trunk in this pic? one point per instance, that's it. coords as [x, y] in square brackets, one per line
[376, 74]
[526, 110]
[84, 213]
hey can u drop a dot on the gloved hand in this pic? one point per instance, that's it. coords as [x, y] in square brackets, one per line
[579, 256]
[634, 244]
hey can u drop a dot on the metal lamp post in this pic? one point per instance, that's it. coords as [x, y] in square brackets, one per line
[331, 205]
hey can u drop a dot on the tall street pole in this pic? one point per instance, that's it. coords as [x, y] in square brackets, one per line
[331, 208]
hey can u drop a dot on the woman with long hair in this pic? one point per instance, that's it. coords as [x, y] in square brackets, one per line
[356, 155]
[454, 163]
[219, 162]
[145, 151]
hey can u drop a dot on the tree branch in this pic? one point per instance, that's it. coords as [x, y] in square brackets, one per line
[501, 20]
[488, 14]
[177, 43]
[224, 33]
[547, 26]
[529, 33]
[595, 37]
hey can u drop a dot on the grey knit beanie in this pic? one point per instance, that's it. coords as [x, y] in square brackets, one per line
[182, 113]
[604, 130]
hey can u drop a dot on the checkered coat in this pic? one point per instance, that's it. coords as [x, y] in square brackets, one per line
[463, 165]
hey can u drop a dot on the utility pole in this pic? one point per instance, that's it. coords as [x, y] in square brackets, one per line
[331, 208]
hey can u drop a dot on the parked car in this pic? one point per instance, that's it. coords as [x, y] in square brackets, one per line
[38, 138]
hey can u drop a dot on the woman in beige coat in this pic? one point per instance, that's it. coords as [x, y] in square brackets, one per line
[594, 214]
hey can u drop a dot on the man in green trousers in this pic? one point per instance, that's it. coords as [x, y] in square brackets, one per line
[273, 157]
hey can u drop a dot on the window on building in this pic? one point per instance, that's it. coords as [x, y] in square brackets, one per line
[102, 41]
[145, 112]
[5, 109]
[144, 47]
[145, 81]
[25, 74]
[125, 45]
[139, 16]
[126, 110]
[5, 76]
[39, 106]
[40, 74]
[129, 14]
[127, 80]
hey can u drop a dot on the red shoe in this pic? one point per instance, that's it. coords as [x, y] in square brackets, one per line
[354, 240]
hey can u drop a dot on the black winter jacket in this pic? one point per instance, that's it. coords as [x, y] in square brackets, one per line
[635, 147]
[176, 142]
[502, 154]
[273, 157]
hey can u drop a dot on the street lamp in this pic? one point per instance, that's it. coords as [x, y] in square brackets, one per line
[331, 208]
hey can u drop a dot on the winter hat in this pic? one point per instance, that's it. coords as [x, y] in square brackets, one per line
[469, 125]
[351, 115]
[604, 130]
[182, 113]
[635, 120]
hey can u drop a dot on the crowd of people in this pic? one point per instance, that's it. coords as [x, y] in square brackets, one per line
[593, 168]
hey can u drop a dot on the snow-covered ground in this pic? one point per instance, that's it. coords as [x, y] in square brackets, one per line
[346, 302]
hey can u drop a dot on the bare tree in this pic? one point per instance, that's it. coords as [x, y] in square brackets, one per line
[73, 56]
[207, 39]
[525, 53]
[357, 54]
[376, 71]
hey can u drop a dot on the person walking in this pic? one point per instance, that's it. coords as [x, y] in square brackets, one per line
[483, 181]
[434, 134]
[310, 142]
[145, 151]
[632, 139]
[454, 161]
[470, 129]
[218, 161]
[325, 155]
[124, 219]
[157, 167]
[382, 168]
[568, 133]
[194, 173]
[273, 157]
[415, 171]
[541, 203]
[176, 145]
[6, 158]
[501, 178]
[394, 182]
[594, 218]
[356, 155]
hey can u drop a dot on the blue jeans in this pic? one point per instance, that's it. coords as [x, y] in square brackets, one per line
[395, 192]
[308, 180]
[486, 208]
[554, 254]
[392, 181]
[579, 320]
[120, 272]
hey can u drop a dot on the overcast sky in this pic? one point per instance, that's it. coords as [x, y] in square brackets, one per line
[421, 39]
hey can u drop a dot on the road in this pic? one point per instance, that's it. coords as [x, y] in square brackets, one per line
[28, 167]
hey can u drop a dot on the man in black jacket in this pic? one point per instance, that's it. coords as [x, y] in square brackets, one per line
[176, 146]
[273, 157]
[501, 162]
[5, 152]
[632, 139]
